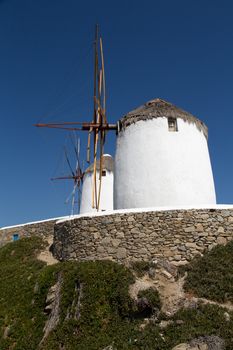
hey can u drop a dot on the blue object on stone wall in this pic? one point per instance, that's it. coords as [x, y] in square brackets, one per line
[15, 237]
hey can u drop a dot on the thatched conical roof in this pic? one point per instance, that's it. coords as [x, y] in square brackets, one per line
[159, 108]
[107, 164]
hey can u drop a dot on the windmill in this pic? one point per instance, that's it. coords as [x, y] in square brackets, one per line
[99, 126]
[76, 175]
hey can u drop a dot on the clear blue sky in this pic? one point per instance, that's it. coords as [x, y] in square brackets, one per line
[181, 51]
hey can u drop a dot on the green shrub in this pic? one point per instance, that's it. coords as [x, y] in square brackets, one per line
[141, 267]
[152, 297]
[106, 312]
[19, 312]
[105, 305]
[211, 276]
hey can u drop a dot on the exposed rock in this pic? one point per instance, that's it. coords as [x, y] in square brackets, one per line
[202, 343]
[6, 332]
[191, 245]
[190, 229]
[74, 312]
[116, 242]
[100, 249]
[105, 241]
[177, 257]
[221, 240]
[221, 229]
[121, 253]
[151, 272]
[179, 322]
[145, 322]
[167, 266]
[199, 228]
[163, 324]
[120, 235]
[227, 316]
[166, 274]
[207, 343]
[182, 346]
[109, 347]
[53, 307]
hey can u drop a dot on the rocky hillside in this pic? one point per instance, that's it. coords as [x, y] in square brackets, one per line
[105, 306]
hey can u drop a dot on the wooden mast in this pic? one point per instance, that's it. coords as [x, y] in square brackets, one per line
[99, 125]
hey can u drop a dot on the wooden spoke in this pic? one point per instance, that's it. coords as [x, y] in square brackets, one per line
[94, 189]
[104, 82]
[98, 127]
[100, 169]
[89, 145]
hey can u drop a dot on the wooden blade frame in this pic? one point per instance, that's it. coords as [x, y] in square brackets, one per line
[98, 127]
[76, 176]
[99, 119]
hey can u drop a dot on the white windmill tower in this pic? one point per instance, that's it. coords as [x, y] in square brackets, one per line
[107, 175]
[162, 159]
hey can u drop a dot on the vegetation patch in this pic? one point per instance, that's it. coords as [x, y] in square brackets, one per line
[95, 310]
[104, 313]
[211, 276]
[149, 300]
[21, 313]
[142, 267]
[205, 320]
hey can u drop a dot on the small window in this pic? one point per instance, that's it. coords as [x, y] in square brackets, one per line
[103, 172]
[15, 237]
[172, 124]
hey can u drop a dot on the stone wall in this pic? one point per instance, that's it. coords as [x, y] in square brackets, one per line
[177, 235]
[42, 228]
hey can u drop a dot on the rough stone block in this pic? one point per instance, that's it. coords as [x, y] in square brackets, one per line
[121, 253]
[203, 234]
[199, 228]
[189, 229]
[106, 241]
[142, 235]
[177, 257]
[92, 229]
[111, 250]
[116, 242]
[100, 249]
[221, 229]
[135, 231]
[221, 240]
[191, 245]
[143, 251]
[120, 235]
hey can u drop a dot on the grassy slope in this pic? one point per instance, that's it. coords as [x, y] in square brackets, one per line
[107, 313]
[19, 272]
[211, 276]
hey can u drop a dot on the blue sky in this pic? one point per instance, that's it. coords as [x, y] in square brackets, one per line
[181, 51]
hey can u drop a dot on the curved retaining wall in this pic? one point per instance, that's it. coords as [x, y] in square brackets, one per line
[177, 235]
[42, 228]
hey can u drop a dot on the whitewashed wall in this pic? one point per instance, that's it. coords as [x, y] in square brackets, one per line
[106, 198]
[155, 167]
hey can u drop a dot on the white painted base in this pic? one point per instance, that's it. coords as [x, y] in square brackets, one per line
[106, 197]
[155, 167]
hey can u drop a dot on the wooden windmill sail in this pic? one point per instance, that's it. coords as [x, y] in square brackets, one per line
[98, 127]
[76, 175]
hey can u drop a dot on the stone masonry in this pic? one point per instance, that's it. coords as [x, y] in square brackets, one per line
[42, 228]
[176, 235]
